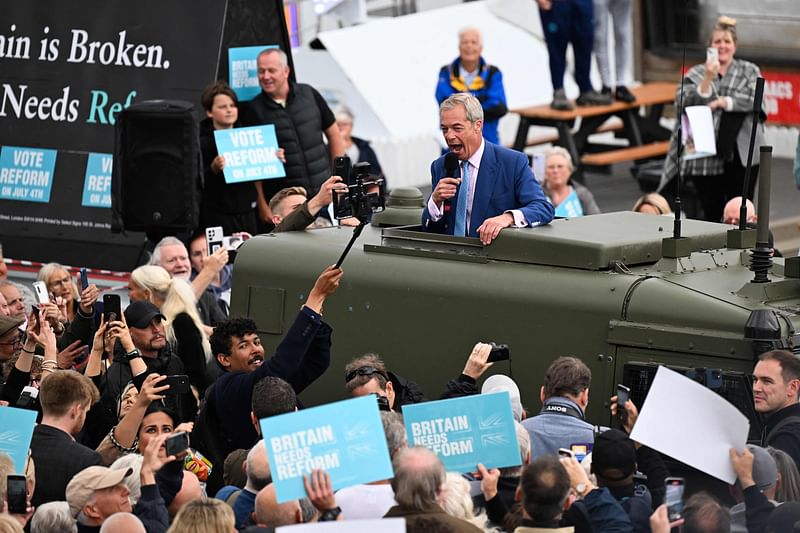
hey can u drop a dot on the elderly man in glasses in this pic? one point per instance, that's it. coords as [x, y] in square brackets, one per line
[10, 337]
[368, 375]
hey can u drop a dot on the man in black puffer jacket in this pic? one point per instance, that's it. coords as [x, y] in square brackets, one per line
[300, 116]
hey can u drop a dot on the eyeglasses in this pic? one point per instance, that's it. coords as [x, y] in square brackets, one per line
[364, 371]
[17, 342]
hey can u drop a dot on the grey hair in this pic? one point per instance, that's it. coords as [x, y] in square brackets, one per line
[559, 150]
[155, 259]
[418, 478]
[307, 510]
[343, 112]
[257, 477]
[133, 482]
[472, 105]
[82, 519]
[458, 503]
[53, 517]
[281, 54]
[125, 389]
[464, 31]
[49, 269]
[524, 442]
[395, 431]
[789, 487]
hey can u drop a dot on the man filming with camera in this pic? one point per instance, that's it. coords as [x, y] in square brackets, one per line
[479, 187]
[368, 375]
[292, 210]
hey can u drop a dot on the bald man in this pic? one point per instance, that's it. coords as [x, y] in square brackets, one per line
[122, 523]
[730, 215]
[190, 490]
[271, 513]
[258, 477]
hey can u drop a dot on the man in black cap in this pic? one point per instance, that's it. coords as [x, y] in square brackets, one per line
[142, 339]
[614, 464]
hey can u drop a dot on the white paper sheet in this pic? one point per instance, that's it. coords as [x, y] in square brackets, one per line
[692, 424]
[385, 525]
[698, 132]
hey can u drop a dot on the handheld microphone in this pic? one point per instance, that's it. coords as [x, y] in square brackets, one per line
[450, 171]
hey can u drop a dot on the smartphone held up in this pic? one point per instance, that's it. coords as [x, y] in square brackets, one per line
[674, 497]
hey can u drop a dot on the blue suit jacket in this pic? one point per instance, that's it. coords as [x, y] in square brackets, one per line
[505, 182]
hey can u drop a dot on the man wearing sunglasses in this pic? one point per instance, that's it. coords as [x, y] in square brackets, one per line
[368, 375]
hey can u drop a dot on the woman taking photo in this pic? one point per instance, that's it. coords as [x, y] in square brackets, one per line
[726, 85]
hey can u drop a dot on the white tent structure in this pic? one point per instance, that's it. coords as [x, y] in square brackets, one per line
[385, 71]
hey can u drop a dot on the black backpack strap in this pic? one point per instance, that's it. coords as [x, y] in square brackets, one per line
[780, 425]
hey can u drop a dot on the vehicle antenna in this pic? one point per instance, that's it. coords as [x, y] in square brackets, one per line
[676, 228]
[756, 119]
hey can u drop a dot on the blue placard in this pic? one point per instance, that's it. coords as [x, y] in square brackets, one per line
[466, 431]
[344, 438]
[249, 153]
[15, 434]
[243, 72]
[26, 174]
[97, 181]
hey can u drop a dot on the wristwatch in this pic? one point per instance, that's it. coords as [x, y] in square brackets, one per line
[582, 489]
[330, 515]
[133, 354]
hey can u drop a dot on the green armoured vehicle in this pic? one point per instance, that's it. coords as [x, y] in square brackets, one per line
[597, 287]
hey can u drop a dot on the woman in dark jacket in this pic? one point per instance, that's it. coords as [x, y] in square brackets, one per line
[358, 150]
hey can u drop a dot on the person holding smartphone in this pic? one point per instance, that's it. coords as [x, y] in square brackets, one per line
[648, 461]
[225, 422]
[727, 86]
[142, 349]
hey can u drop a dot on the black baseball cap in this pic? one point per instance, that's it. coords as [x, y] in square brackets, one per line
[613, 450]
[140, 313]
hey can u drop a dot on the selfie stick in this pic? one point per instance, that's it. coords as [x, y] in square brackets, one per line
[746, 184]
[356, 232]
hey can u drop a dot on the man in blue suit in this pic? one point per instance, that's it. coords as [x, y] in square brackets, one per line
[493, 187]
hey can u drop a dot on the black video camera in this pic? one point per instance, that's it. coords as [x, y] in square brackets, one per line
[29, 399]
[364, 194]
[500, 352]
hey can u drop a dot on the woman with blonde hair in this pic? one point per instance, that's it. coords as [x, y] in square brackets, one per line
[9, 524]
[652, 204]
[726, 85]
[208, 516]
[66, 302]
[184, 328]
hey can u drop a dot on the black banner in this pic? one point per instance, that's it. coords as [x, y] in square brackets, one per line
[66, 71]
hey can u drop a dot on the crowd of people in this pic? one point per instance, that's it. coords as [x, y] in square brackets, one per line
[310, 135]
[148, 418]
[109, 408]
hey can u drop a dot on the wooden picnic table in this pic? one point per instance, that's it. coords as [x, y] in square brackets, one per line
[649, 95]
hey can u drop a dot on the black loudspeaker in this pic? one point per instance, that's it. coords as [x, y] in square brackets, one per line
[157, 171]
